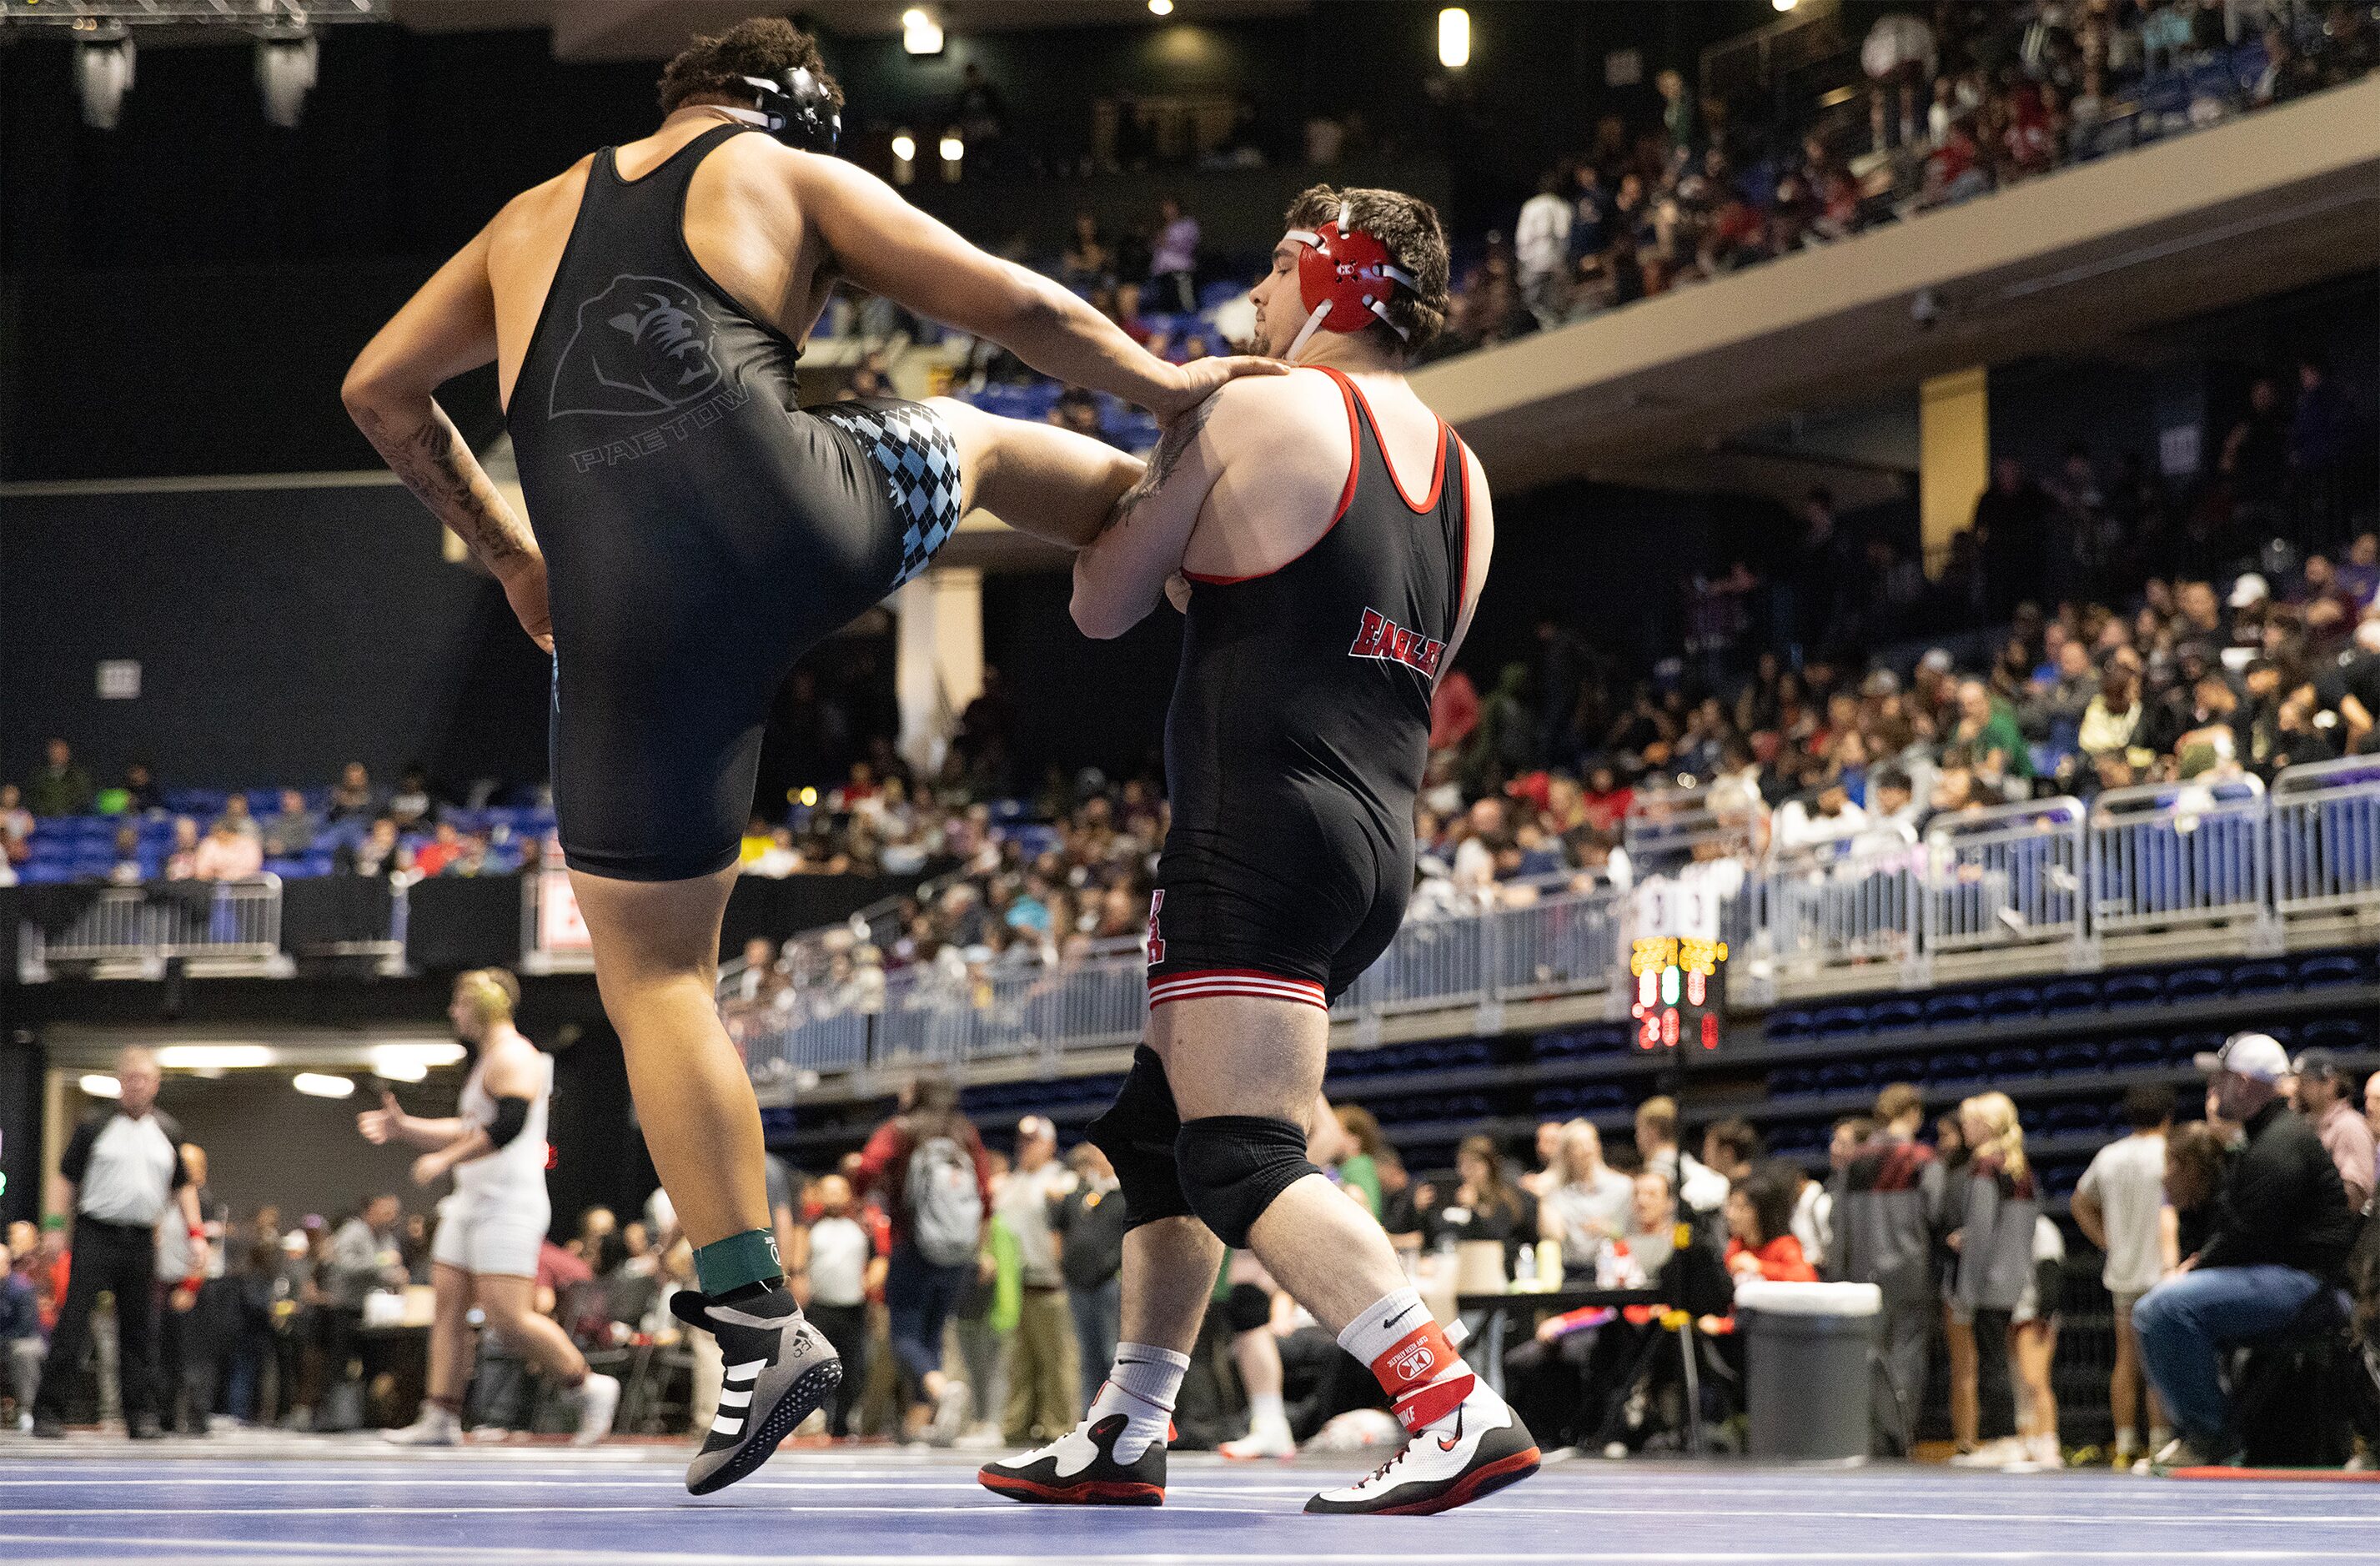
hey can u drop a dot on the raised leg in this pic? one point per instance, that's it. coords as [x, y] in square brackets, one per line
[1039, 478]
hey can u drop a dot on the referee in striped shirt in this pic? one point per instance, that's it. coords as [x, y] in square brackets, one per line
[123, 1172]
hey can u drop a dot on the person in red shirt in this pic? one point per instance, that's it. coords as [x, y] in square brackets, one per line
[1760, 1244]
[935, 1237]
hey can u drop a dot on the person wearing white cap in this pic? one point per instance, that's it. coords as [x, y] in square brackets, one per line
[2282, 1230]
[1044, 1387]
[2249, 590]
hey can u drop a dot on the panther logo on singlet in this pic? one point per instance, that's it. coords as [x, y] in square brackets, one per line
[1156, 940]
[642, 346]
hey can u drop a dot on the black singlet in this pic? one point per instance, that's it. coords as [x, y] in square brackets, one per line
[700, 530]
[1296, 739]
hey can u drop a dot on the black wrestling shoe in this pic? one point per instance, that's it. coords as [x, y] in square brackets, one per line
[1080, 1468]
[779, 1368]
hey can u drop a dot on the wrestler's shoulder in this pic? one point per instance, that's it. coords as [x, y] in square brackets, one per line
[1276, 405]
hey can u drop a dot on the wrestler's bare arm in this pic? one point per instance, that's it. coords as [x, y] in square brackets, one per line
[885, 245]
[448, 327]
[1482, 514]
[1119, 576]
[1241, 486]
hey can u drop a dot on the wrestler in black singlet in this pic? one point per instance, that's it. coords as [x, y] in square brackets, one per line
[1296, 739]
[699, 531]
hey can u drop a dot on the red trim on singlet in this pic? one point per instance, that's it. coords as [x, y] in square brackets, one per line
[1437, 467]
[1462, 587]
[1347, 394]
[1203, 984]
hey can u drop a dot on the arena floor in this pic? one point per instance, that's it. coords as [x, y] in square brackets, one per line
[239, 1498]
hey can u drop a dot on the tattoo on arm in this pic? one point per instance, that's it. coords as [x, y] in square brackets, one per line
[1168, 456]
[433, 462]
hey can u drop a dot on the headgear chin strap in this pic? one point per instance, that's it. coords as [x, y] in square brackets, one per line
[796, 109]
[1344, 277]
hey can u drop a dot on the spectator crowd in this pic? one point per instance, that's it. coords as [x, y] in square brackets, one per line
[1972, 99]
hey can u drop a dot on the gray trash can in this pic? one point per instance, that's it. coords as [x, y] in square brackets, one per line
[1807, 1351]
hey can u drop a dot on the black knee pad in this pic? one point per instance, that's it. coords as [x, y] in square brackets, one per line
[1137, 1135]
[1247, 1307]
[1232, 1166]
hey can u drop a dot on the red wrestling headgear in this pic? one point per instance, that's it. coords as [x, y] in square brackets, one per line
[1344, 276]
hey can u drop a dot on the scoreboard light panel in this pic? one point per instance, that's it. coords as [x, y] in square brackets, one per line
[1679, 983]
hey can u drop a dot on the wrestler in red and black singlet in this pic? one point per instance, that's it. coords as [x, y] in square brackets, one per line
[1296, 739]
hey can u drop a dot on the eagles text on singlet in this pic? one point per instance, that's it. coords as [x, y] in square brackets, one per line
[1383, 638]
[701, 415]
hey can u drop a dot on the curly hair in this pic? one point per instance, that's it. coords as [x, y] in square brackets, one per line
[1409, 227]
[766, 46]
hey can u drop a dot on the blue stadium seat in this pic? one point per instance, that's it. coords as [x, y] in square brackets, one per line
[2332, 967]
[2184, 1047]
[2063, 1059]
[2011, 1002]
[2131, 989]
[2071, 1119]
[1896, 1068]
[2135, 1050]
[1602, 1096]
[1789, 1082]
[1954, 1066]
[1840, 1022]
[2063, 997]
[2342, 1035]
[2195, 984]
[2259, 979]
[1951, 1011]
[1842, 1076]
[2012, 1063]
[1787, 1023]
[2059, 1179]
[38, 872]
[1554, 1101]
[1604, 1040]
[1894, 1011]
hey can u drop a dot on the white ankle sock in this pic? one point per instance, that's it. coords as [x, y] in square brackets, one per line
[1383, 1324]
[1140, 1386]
[1266, 1408]
[2127, 1439]
[1416, 1376]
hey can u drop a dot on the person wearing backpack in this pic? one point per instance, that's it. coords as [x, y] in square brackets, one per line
[927, 1166]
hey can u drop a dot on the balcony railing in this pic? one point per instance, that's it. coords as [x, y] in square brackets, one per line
[147, 924]
[2042, 885]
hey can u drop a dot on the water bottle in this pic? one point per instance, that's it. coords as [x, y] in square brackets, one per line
[1524, 1276]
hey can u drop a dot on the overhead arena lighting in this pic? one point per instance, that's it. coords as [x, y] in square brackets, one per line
[286, 62]
[920, 33]
[314, 1085]
[411, 1063]
[1454, 38]
[213, 1057]
[99, 1085]
[953, 147]
[1784, 4]
[103, 72]
[1160, 7]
